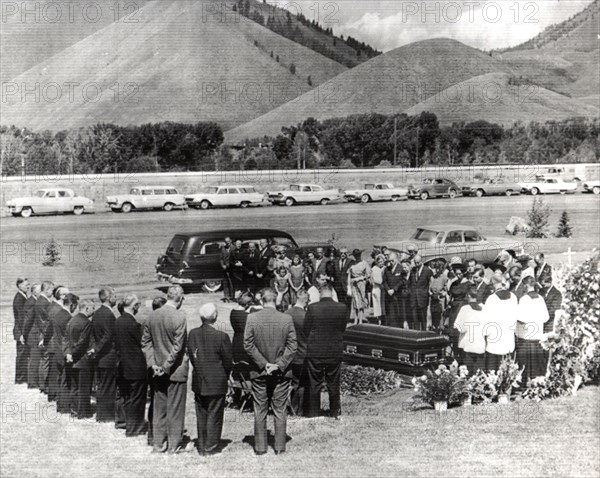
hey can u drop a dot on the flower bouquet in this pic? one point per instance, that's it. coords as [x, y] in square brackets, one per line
[482, 386]
[508, 376]
[445, 385]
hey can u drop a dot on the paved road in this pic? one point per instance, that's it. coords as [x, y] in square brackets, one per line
[122, 249]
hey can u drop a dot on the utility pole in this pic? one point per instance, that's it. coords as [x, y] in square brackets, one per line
[417, 162]
[395, 139]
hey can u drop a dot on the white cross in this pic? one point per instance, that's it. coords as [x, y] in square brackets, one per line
[569, 253]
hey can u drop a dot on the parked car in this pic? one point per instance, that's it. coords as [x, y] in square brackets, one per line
[592, 187]
[433, 188]
[147, 197]
[446, 241]
[492, 187]
[193, 259]
[376, 192]
[50, 201]
[227, 195]
[304, 194]
[545, 185]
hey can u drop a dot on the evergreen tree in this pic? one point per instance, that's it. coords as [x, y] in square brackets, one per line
[52, 254]
[538, 219]
[293, 69]
[309, 81]
[564, 228]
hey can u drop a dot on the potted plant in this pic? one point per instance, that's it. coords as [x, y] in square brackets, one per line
[442, 387]
[508, 377]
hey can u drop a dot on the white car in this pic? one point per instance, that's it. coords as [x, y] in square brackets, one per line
[544, 185]
[50, 201]
[147, 197]
[304, 194]
[227, 195]
[592, 187]
[377, 192]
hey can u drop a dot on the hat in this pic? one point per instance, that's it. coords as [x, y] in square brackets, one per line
[357, 253]
[455, 260]
[460, 267]
[497, 267]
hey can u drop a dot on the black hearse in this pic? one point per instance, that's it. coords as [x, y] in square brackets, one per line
[193, 259]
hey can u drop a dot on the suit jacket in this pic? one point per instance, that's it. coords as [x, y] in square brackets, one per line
[19, 313]
[264, 255]
[518, 289]
[483, 292]
[210, 352]
[40, 320]
[419, 285]
[29, 330]
[298, 316]
[543, 271]
[340, 274]
[324, 327]
[321, 269]
[237, 255]
[58, 344]
[395, 279]
[103, 337]
[128, 341]
[79, 331]
[270, 337]
[250, 263]
[164, 342]
[238, 319]
[553, 298]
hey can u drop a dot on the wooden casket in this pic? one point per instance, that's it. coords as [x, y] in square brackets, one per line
[404, 350]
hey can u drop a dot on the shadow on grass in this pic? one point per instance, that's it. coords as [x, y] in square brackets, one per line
[249, 439]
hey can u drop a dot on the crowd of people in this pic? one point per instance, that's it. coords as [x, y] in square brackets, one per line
[287, 335]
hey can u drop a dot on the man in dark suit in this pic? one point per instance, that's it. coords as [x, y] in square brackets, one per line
[39, 354]
[419, 293]
[103, 352]
[79, 330]
[58, 317]
[299, 371]
[542, 269]
[164, 344]
[553, 298]
[210, 352]
[319, 264]
[340, 275]
[482, 289]
[263, 273]
[236, 268]
[225, 261]
[250, 265]
[270, 339]
[30, 336]
[19, 314]
[132, 367]
[324, 327]
[395, 285]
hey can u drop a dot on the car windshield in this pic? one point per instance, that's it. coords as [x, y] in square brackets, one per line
[40, 194]
[176, 246]
[427, 235]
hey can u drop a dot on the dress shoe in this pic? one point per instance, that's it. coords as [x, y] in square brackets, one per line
[158, 450]
[259, 453]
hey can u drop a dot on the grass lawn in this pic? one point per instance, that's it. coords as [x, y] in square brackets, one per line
[378, 436]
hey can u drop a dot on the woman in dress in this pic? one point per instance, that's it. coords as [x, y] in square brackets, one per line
[296, 278]
[377, 284]
[532, 316]
[281, 284]
[358, 276]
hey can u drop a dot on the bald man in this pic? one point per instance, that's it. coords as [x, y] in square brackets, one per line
[210, 352]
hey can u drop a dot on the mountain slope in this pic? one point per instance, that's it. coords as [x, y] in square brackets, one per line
[387, 84]
[493, 98]
[173, 65]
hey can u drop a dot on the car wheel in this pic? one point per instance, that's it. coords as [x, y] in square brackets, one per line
[26, 212]
[596, 189]
[424, 195]
[78, 211]
[479, 193]
[395, 198]
[204, 204]
[365, 198]
[245, 204]
[169, 206]
[324, 202]
[563, 191]
[290, 202]
[508, 192]
[127, 207]
[535, 191]
[213, 285]
[452, 194]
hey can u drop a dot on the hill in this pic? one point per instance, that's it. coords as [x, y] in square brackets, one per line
[49, 27]
[495, 98]
[172, 65]
[387, 84]
[580, 33]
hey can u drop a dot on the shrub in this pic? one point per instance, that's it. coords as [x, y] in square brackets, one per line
[538, 219]
[564, 228]
[384, 164]
[347, 164]
[52, 254]
[359, 381]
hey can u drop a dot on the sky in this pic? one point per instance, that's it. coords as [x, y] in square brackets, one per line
[388, 24]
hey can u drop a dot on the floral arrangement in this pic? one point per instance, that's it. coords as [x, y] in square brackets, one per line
[445, 384]
[482, 386]
[539, 388]
[508, 376]
[359, 381]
